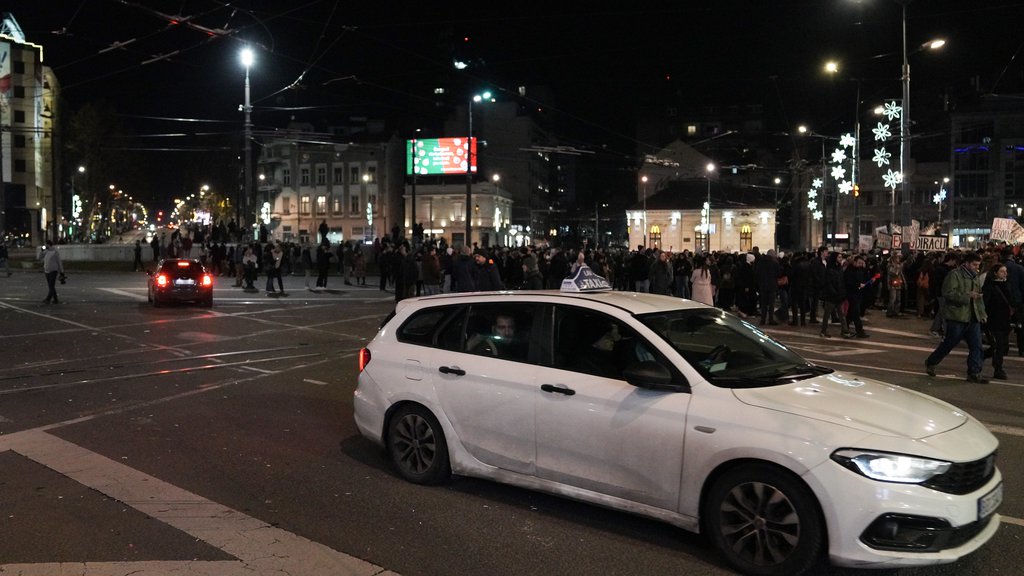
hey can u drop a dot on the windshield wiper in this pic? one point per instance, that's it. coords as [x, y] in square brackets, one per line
[802, 371]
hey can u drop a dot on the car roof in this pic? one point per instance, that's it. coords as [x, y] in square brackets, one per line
[631, 302]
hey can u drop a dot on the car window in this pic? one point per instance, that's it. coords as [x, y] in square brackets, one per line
[727, 351]
[503, 331]
[421, 326]
[595, 343]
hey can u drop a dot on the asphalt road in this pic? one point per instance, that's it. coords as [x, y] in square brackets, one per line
[220, 441]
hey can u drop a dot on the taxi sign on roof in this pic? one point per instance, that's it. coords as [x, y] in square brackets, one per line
[585, 280]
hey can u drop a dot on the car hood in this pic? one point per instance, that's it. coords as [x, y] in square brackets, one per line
[859, 403]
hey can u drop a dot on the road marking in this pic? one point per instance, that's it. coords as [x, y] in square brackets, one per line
[121, 292]
[259, 547]
[317, 382]
[1008, 430]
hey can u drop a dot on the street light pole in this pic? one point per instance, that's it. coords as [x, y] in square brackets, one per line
[707, 232]
[247, 60]
[905, 126]
[469, 165]
[644, 180]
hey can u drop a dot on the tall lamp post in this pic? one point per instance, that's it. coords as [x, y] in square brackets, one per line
[644, 180]
[247, 60]
[707, 207]
[469, 164]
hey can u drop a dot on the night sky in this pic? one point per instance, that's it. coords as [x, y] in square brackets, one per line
[324, 61]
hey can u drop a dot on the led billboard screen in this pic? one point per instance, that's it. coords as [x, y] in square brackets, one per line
[429, 156]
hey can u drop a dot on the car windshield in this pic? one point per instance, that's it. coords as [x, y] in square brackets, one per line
[727, 351]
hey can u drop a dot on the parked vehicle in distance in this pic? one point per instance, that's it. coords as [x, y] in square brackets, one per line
[180, 280]
[684, 413]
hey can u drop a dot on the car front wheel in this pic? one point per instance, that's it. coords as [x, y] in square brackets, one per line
[417, 446]
[765, 522]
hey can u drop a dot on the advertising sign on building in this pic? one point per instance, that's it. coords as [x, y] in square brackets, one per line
[429, 156]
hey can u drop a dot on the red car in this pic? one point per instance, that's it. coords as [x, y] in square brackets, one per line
[180, 280]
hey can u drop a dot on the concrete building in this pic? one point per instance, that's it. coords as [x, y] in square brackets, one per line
[354, 187]
[28, 115]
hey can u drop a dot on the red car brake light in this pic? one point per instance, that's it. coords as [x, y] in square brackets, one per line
[364, 358]
[207, 280]
[161, 280]
[184, 264]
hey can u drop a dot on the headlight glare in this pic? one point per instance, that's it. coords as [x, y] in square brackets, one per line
[887, 467]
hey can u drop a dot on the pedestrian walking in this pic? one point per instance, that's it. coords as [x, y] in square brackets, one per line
[702, 282]
[276, 257]
[964, 311]
[1000, 306]
[896, 282]
[52, 268]
[137, 264]
[5, 258]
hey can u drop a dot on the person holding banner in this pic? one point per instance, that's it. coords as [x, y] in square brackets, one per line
[965, 312]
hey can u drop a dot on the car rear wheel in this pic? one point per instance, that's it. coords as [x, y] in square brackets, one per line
[417, 446]
[765, 521]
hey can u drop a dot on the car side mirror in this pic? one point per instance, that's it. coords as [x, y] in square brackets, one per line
[652, 375]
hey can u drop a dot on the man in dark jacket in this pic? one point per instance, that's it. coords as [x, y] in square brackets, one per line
[833, 295]
[486, 273]
[462, 269]
[766, 270]
[855, 279]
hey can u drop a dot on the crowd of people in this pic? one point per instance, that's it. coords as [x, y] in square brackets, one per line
[980, 303]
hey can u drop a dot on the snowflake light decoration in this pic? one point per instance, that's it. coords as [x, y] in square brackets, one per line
[881, 132]
[838, 156]
[881, 156]
[892, 179]
[891, 110]
[817, 215]
[816, 183]
[812, 205]
[847, 140]
[845, 187]
[838, 172]
[812, 193]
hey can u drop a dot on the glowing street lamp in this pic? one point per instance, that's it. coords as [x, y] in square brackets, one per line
[644, 180]
[707, 209]
[247, 58]
[484, 97]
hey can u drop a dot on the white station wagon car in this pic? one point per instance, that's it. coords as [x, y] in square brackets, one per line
[681, 412]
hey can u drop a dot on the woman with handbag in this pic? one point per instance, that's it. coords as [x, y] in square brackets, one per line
[896, 282]
[1001, 307]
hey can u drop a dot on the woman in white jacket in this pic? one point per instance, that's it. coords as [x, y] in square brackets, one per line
[52, 267]
[703, 286]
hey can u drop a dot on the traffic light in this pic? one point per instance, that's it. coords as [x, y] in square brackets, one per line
[856, 190]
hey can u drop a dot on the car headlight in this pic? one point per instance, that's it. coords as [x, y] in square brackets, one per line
[889, 467]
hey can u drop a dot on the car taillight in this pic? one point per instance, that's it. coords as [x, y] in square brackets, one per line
[364, 358]
[207, 280]
[161, 280]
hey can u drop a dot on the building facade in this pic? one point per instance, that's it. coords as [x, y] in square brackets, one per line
[353, 187]
[29, 205]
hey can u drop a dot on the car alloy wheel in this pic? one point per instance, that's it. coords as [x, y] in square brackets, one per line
[417, 446]
[765, 521]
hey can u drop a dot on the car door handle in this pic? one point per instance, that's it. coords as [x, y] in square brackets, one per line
[452, 370]
[557, 389]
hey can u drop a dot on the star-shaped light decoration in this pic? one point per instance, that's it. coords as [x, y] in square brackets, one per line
[845, 187]
[812, 193]
[881, 156]
[847, 140]
[838, 156]
[892, 179]
[881, 132]
[817, 215]
[816, 183]
[812, 205]
[891, 110]
[936, 199]
[838, 172]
